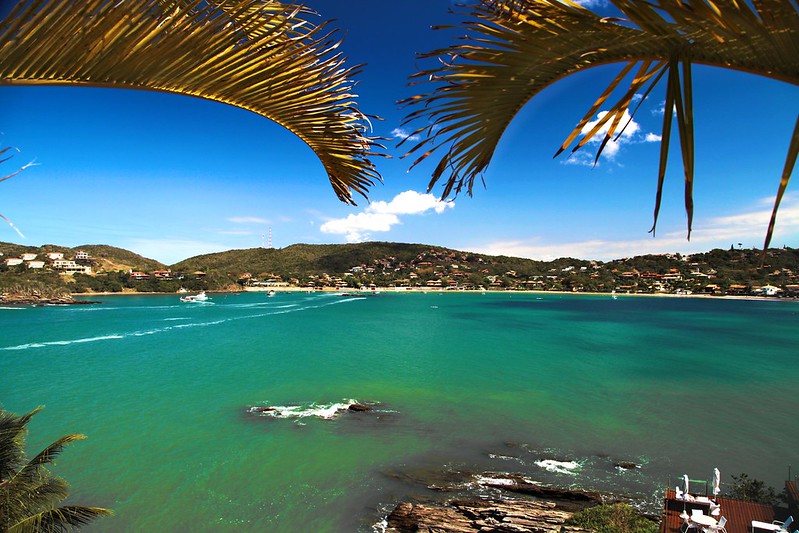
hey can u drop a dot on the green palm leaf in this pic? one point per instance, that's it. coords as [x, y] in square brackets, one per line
[60, 519]
[516, 48]
[253, 54]
[29, 494]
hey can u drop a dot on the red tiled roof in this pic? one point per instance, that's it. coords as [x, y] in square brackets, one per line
[739, 513]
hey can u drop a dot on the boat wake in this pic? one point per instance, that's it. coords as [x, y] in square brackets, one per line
[273, 310]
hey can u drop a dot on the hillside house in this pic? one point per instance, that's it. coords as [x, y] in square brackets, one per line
[29, 256]
[55, 256]
[71, 267]
[81, 256]
[13, 261]
[36, 264]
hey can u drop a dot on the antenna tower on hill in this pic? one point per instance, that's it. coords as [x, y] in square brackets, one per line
[270, 236]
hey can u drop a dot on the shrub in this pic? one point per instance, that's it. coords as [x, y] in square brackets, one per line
[613, 518]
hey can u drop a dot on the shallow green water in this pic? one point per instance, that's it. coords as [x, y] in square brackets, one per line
[477, 382]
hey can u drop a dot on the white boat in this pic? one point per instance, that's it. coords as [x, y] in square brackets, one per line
[195, 298]
[270, 293]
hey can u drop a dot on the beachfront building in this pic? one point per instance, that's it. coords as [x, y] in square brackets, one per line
[767, 290]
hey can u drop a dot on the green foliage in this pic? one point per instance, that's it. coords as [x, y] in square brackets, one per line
[614, 518]
[29, 493]
[753, 490]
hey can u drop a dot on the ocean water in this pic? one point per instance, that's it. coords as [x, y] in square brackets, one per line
[557, 388]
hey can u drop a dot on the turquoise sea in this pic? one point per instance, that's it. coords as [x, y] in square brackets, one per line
[554, 387]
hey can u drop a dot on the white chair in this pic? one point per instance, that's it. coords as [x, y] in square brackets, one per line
[784, 525]
[719, 527]
[686, 522]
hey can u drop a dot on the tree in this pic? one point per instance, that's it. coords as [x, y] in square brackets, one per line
[265, 57]
[516, 48]
[29, 494]
[753, 490]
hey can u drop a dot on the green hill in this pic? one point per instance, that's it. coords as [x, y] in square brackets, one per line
[302, 259]
[738, 272]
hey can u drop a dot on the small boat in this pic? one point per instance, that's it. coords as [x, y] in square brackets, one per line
[195, 298]
[270, 293]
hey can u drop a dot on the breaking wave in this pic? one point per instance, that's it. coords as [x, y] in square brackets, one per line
[324, 411]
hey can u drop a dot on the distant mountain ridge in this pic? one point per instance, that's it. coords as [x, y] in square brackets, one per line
[722, 272]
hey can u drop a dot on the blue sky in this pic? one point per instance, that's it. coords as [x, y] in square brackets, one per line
[170, 177]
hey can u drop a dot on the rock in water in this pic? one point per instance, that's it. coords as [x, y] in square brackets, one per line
[480, 516]
[358, 407]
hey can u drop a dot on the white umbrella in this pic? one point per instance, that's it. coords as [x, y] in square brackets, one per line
[716, 480]
[685, 483]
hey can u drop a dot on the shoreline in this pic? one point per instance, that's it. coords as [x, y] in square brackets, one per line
[426, 290]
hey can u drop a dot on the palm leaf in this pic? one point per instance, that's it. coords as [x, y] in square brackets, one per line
[59, 519]
[32, 470]
[514, 49]
[258, 55]
[790, 161]
[12, 441]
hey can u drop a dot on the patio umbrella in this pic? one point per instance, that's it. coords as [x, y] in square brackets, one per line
[685, 483]
[716, 480]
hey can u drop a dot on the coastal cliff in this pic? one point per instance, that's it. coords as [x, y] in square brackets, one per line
[31, 296]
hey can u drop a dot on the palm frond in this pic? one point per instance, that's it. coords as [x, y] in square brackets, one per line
[34, 496]
[790, 161]
[12, 441]
[258, 55]
[514, 49]
[59, 519]
[32, 470]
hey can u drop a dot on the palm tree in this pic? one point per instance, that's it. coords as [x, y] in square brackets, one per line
[264, 57]
[28, 492]
[516, 48]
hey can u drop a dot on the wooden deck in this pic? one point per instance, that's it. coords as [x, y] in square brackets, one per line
[739, 514]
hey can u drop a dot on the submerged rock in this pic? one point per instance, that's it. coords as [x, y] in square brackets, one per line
[358, 407]
[625, 465]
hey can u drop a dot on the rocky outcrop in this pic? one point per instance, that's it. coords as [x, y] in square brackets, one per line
[34, 298]
[572, 499]
[480, 516]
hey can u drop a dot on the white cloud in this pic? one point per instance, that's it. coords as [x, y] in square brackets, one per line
[381, 216]
[399, 133]
[630, 134]
[357, 227]
[652, 138]
[248, 220]
[719, 232]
